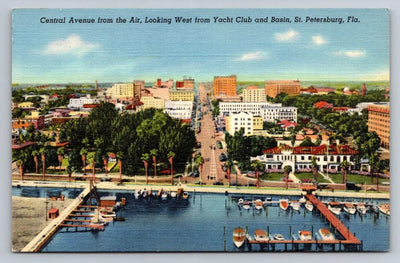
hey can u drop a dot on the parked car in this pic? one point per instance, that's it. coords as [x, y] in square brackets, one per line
[218, 183]
[222, 157]
[352, 186]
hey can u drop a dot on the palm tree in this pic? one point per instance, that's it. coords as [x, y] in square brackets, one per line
[35, 155]
[105, 161]
[91, 158]
[154, 153]
[170, 157]
[314, 167]
[84, 152]
[119, 156]
[256, 166]
[145, 158]
[344, 166]
[228, 165]
[43, 152]
[374, 163]
[287, 169]
[20, 165]
[60, 153]
[69, 172]
[199, 161]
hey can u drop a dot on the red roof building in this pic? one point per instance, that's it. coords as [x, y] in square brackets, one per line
[323, 104]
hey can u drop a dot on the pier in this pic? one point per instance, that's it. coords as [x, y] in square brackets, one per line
[45, 235]
[350, 242]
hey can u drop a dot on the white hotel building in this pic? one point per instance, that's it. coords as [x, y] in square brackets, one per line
[179, 109]
[77, 103]
[235, 121]
[269, 112]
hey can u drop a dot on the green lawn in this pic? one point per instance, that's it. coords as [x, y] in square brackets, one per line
[272, 177]
[320, 178]
[358, 179]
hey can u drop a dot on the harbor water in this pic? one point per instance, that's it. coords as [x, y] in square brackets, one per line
[204, 223]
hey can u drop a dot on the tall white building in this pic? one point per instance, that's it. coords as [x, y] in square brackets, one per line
[179, 109]
[235, 121]
[121, 90]
[253, 94]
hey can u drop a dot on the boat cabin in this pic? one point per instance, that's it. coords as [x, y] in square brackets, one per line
[53, 213]
[106, 201]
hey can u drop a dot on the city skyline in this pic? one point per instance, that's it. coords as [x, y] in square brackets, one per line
[120, 52]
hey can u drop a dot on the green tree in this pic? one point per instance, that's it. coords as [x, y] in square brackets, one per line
[35, 155]
[60, 153]
[199, 161]
[344, 167]
[83, 153]
[43, 152]
[256, 166]
[154, 153]
[314, 166]
[170, 157]
[120, 156]
[228, 165]
[286, 170]
[146, 158]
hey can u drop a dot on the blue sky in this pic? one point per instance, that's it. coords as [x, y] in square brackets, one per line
[73, 53]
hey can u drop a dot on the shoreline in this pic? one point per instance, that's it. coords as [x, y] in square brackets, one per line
[206, 189]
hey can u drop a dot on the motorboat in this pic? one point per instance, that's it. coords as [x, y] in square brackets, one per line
[384, 209]
[164, 195]
[107, 212]
[334, 208]
[325, 234]
[361, 209]
[305, 235]
[309, 206]
[302, 200]
[260, 235]
[239, 237]
[278, 237]
[295, 205]
[185, 195]
[246, 205]
[258, 204]
[240, 201]
[173, 194]
[284, 204]
[349, 208]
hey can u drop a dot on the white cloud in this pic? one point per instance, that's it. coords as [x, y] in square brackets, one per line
[287, 36]
[257, 55]
[71, 45]
[351, 53]
[319, 40]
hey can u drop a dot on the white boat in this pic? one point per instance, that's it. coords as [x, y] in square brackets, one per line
[138, 193]
[246, 205]
[302, 200]
[326, 234]
[361, 209]
[309, 206]
[295, 205]
[258, 204]
[284, 204]
[107, 213]
[239, 237]
[164, 196]
[278, 237]
[305, 235]
[384, 209]
[260, 235]
[334, 208]
[240, 201]
[349, 208]
[173, 194]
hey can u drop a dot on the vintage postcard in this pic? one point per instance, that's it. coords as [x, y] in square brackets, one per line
[200, 130]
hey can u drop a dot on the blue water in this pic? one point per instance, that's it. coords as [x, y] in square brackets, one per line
[198, 225]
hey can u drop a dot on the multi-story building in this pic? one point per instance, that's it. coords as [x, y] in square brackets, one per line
[224, 85]
[77, 103]
[182, 95]
[235, 121]
[275, 87]
[379, 122]
[38, 121]
[250, 107]
[272, 113]
[152, 102]
[253, 94]
[179, 109]
[120, 90]
[258, 123]
[300, 157]
[186, 83]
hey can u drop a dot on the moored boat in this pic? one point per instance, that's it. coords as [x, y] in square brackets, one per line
[309, 206]
[173, 194]
[302, 200]
[260, 235]
[185, 195]
[384, 209]
[239, 237]
[305, 235]
[334, 208]
[325, 234]
[258, 204]
[278, 237]
[295, 205]
[164, 195]
[361, 209]
[284, 204]
[349, 208]
[246, 205]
